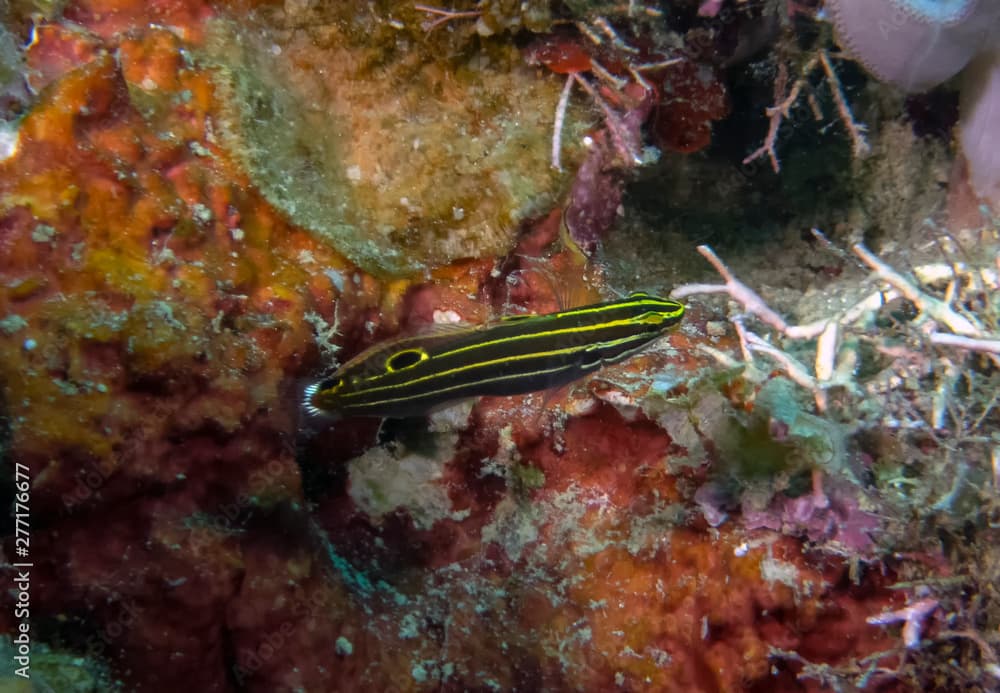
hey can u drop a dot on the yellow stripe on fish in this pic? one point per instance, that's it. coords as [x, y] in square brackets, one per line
[518, 354]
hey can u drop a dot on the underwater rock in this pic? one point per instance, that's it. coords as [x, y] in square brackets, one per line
[14, 95]
[142, 273]
[160, 308]
[837, 518]
[401, 161]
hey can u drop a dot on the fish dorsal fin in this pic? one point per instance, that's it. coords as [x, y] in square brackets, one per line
[445, 329]
[568, 286]
[561, 291]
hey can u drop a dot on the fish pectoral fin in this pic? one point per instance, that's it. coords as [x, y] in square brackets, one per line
[410, 434]
[306, 391]
[557, 394]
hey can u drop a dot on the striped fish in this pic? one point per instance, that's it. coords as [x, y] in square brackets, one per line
[518, 354]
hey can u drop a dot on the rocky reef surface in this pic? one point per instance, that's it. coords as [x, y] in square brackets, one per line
[205, 206]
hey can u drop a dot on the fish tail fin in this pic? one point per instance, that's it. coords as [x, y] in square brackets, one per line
[311, 413]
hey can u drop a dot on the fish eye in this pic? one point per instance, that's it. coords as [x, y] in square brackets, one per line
[404, 359]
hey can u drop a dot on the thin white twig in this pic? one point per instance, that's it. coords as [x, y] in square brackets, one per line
[826, 351]
[741, 293]
[912, 617]
[854, 129]
[560, 119]
[444, 16]
[741, 333]
[989, 346]
[835, 359]
[795, 370]
[619, 133]
[934, 308]
[646, 67]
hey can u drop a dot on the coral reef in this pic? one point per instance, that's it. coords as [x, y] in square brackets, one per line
[206, 206]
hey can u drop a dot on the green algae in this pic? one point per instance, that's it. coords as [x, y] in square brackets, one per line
[59, 670]
[798, 438]
[12, 324]
[779, 436]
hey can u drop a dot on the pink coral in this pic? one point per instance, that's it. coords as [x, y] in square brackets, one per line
[833, 515]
